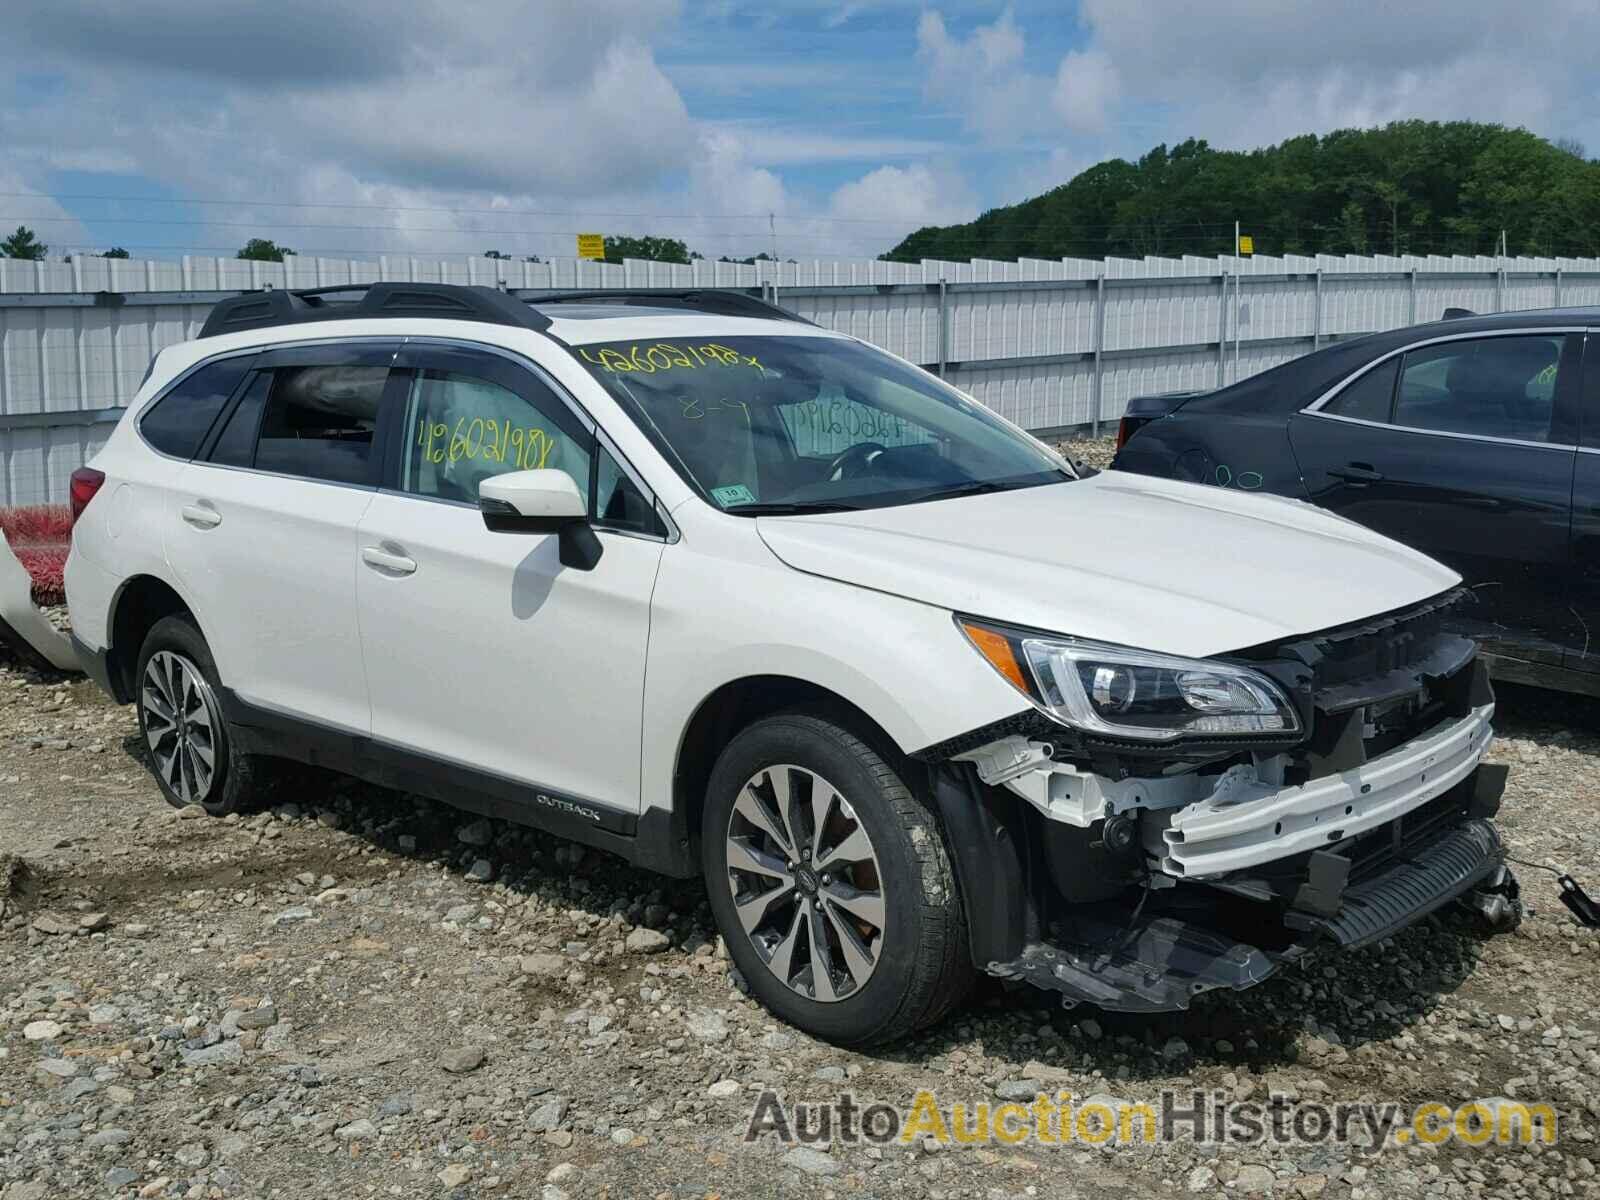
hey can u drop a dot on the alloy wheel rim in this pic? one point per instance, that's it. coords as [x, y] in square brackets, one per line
[180, 725]
[806, 883]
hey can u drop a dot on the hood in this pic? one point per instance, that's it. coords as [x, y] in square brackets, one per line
[1174, 567]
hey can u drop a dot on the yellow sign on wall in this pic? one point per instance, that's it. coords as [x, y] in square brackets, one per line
[591, 245]
[1247, 245]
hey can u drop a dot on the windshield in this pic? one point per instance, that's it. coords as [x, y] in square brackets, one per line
[792, 424]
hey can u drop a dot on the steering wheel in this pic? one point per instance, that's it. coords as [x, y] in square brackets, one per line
[854, 462]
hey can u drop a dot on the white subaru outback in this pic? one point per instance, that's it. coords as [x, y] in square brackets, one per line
[687, 578]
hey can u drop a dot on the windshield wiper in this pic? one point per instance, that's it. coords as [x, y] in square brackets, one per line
[975, 487]
[788, 508]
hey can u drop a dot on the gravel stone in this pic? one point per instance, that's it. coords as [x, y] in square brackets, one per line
[811, 1161]
[647, 941]
[707, 1026]
[463, 1059]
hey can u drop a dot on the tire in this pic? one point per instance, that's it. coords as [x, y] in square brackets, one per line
[897, 958]
[176, 662]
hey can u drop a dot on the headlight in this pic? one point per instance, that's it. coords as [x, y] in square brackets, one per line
[1123, 693]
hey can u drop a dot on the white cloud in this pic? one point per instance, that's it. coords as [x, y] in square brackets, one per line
[1086, 88]
[981, 78]
[777, 147]
[1245, 73]
[558, 95]
[51, 224]
[913, 196]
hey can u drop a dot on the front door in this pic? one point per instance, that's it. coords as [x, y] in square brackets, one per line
[1464, 449]
[482, 649]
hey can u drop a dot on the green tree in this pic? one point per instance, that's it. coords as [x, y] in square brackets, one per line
[263, 250]
[654, 249]
[115, 252]
[22, 244]
[1421, 187]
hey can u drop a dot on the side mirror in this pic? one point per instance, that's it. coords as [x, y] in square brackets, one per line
[544, 501]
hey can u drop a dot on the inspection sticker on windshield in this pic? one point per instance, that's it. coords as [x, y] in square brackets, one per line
[733, 494]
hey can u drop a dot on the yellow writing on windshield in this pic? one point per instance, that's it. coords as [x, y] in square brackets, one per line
[483, 439]
[666, 356]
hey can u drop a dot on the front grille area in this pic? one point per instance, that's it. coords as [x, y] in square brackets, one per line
[1372, 685]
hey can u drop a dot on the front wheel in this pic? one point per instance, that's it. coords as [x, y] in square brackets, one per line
[830, 884]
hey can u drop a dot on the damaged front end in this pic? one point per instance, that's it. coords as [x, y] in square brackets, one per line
[1135, 875]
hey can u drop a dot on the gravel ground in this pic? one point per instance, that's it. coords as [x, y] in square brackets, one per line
[361, 993]
[1096, 452]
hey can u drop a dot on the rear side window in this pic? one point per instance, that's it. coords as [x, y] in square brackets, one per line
[1368, 398]
[318, 422]
[1501, 387]
[177, 423]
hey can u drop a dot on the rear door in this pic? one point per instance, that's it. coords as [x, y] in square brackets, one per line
[1464, 448]
[261, 530]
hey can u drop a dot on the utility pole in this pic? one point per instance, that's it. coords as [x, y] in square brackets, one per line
[1236, 331]
[772, 229]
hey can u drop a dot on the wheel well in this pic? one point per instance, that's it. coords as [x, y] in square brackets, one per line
[144, 601]
[736, 705]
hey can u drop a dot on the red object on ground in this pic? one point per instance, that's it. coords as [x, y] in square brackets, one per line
[40, 535]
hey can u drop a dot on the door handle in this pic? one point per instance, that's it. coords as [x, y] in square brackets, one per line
[201, 516]
[386, 562]
[1356, 473]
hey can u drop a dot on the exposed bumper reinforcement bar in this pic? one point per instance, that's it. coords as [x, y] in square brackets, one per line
[1245, 822]
[1162, 961]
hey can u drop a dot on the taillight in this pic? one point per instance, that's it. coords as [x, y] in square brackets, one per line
[1125, 428]
[86, 483]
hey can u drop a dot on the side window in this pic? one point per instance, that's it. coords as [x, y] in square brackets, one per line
[236, 444]
[177, 423]
[618, 502]
[1368, 398]
[460, 429]
[318, 423]
[1500, 387]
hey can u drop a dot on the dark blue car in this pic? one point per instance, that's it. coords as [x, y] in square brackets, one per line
[1474, 439]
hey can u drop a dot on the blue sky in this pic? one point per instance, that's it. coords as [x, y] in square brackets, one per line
[332, 126]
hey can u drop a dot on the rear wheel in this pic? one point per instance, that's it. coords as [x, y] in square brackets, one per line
[830, 884]
[191, 748]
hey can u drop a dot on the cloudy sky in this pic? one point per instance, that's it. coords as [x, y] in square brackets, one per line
[428, 126]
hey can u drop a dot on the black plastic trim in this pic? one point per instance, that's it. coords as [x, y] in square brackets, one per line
[1029, 723]
[991, 853]
[437, 301]
[1429, 877]
[97, 666]
[264, 731]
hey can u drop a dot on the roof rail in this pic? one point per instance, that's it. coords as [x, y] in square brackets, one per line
[255, 310]
[721, 302]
